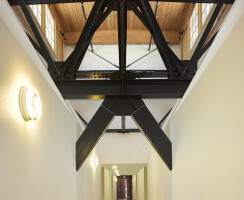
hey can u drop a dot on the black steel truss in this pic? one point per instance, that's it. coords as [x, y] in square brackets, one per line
[73, 62]
[156, 11]
[98, 89]
[123, 106]
[123, 129]
[122, 34]
[129, 86]
[116, 75]
[176, 69]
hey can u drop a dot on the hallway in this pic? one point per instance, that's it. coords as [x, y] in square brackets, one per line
[39, 128]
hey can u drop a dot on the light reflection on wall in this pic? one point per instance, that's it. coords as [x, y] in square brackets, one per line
[94, 161]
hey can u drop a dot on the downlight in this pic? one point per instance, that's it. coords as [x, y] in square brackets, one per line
[30, 103]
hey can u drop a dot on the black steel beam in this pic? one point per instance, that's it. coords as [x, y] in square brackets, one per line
[150, 127]
[123, 131]
[122, 35]
[115, 74]
[85, 37]
[52, 68]
[100, 88]
[192, 65]
[156, 11]
[84, 15]
[94, 130]
[207, 46]
[161, 48]
[101, 17]
[151, 23]
[33, 2]
[37, 48]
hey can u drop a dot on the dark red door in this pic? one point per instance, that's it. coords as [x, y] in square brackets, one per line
[124, 187]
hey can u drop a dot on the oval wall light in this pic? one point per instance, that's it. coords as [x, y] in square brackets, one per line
[30, 103]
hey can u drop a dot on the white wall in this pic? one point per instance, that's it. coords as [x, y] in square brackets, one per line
[134, 187]
[158, 178]
[110, 52]
[89, 185]
[207, 130]
[37, 159]
[115, 148]
[108, 185]
[141, 184]
[115, 188]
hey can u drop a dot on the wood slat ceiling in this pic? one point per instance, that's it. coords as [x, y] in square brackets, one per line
[171, 17]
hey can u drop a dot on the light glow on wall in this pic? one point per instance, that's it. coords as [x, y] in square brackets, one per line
[94, 161]
[30, 103]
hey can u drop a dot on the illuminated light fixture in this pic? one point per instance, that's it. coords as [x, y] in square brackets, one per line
[94, 161]
[30, 103]
[116, 171]
[114, 167]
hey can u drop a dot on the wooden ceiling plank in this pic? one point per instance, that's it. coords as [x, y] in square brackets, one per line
[188, 10]
[133, 37]
[160, 13]
[80, 16]
[116, 20]
[180, 17]
[75, 19]
[66, 25]
[112, 21]
[175, 18]
[69, 14]
[61, 17]
[167, 14]
[163, 7]
[128, 19]
[171, 17]
[56, 17]
[136, 22]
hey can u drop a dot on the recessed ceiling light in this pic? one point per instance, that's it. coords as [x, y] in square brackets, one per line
[114, 167]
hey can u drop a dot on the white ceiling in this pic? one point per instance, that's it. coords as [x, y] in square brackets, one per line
[130, 169]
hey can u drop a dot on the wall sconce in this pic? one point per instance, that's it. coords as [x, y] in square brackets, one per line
[30, 103]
